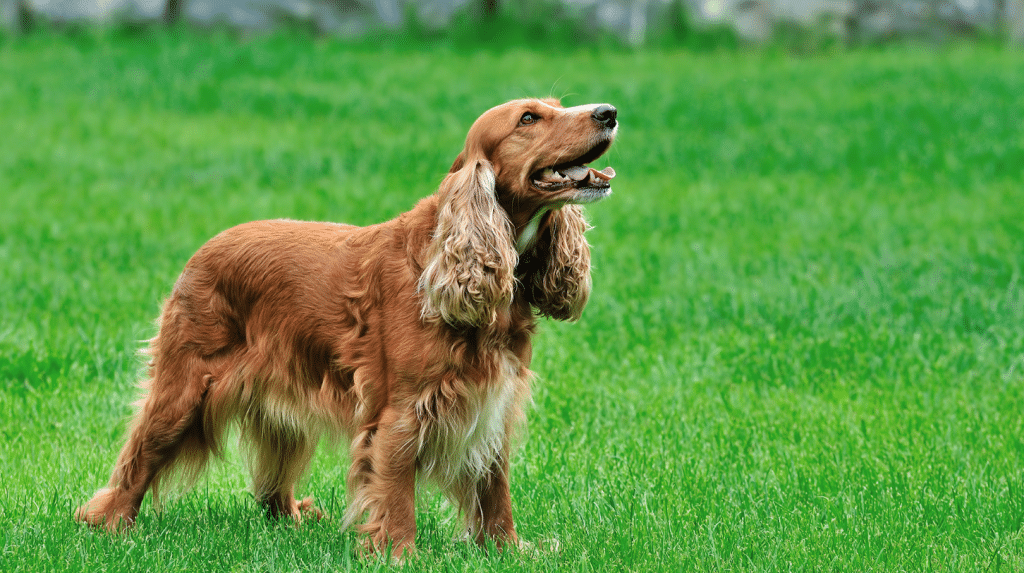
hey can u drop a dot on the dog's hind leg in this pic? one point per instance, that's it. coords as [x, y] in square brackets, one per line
[167, 428]
[278, 457]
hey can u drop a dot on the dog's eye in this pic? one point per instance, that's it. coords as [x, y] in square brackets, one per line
[528, 118]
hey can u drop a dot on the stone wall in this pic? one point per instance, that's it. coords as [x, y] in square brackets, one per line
[752, 19]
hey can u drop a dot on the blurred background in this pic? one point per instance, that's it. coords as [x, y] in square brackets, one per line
[634, 22]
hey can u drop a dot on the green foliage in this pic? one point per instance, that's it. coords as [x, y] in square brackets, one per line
[675, 30]
[804, 350]
[553, 25]
[533, 24]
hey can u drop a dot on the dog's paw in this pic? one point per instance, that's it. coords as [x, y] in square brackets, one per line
[306, 509]
[103, 512]
[380, 546]
[286, 507]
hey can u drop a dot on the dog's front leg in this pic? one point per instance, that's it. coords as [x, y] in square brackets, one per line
[496, 507]
[386, 484]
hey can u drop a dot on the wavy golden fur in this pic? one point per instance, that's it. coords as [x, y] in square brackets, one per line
[410, 337]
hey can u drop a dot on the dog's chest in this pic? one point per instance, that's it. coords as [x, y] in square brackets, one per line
[468, 438]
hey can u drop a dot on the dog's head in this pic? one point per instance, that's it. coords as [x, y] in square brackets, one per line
[514, 188]
[539, 152]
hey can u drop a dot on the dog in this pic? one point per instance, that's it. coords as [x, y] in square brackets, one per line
[411, 338]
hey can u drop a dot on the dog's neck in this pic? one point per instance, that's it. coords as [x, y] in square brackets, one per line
[528, 235]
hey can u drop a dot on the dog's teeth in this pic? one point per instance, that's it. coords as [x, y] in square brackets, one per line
[569, 175]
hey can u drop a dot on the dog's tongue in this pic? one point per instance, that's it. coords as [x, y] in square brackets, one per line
[606, 174]
[577, 173]
[581, 172]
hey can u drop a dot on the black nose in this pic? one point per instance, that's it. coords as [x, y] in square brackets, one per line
[605, 115]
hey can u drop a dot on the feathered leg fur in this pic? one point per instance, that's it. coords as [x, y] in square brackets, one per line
[166, 431]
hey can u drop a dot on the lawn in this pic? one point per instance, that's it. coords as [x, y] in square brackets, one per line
[804, 351]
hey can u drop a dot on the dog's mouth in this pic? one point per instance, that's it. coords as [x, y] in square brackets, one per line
[590, 184]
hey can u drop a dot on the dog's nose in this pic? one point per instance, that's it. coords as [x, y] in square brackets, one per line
[605, 115]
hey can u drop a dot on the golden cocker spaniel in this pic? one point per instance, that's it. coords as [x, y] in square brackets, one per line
[410, 337]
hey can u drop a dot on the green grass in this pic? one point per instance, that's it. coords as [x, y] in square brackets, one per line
[804, 352]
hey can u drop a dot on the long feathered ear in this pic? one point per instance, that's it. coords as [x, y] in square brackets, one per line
[471, 260]
[560, 285]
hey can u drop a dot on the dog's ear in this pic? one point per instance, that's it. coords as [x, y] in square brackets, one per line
[458, 163]
[559, 286]
[470, 268]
